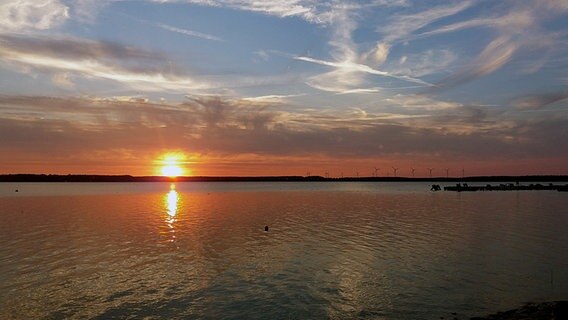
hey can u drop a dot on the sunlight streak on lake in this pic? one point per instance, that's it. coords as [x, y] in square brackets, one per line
[172, 199]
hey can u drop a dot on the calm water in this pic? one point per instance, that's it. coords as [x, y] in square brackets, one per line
[334, 250]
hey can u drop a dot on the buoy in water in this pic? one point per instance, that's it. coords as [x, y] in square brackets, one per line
[265, 228]
[17, 190]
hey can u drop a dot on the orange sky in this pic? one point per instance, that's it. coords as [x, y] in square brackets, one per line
[235, 138]
[254, 165]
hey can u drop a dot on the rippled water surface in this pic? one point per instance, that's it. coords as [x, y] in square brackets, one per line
[334, 250]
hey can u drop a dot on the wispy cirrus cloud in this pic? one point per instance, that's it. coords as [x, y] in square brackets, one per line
[424, 63]
[423, 102]
[515, 21]
[350, 66]
[495, 55]
[356, 67]
[132, 67]
[313, 11]
[310, 10]
[187, 32]
[345, 75]
[184, 31]
[400, 27]
[349, 71]
[532, 102]
[272, 98]
[518, 28]
[377, 89]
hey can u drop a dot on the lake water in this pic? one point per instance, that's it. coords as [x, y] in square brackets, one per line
[334, 250]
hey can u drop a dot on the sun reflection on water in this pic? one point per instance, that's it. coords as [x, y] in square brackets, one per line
[172, 202]
[172, 199]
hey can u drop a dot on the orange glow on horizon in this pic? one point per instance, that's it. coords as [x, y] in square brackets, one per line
[172, 164]
[152, 162]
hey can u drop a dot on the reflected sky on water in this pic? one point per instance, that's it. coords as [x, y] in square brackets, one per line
[161, 251]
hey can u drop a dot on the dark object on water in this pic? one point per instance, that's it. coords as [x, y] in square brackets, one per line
[435, 187]
[536, 311]
[507, 187]
[17, 190]
[265, 228]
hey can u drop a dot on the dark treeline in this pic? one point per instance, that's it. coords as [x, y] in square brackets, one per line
[128, 178]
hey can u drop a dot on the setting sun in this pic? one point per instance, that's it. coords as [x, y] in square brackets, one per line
[172, 171]
[172, 165]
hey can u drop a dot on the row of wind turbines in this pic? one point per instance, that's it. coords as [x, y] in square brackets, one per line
[375, 172]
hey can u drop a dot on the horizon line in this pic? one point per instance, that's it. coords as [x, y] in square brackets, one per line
[33, 177]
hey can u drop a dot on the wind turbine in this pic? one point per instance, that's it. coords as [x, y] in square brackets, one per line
[327, 174]
[412, 171]
[430, 169]
[394, 170]
[447, 173]
[463, 173]
[308, 174]
[357, 173]
[376, 171]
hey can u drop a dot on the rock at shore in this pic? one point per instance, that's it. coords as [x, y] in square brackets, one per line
[555, 310]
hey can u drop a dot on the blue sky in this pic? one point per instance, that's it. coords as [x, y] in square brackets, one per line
[254, 87]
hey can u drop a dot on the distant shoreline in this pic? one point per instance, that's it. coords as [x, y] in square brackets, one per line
[129, 178]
